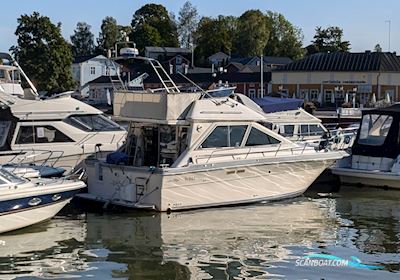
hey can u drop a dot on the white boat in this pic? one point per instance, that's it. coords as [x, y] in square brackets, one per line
[299, 126]
[186, 151]
[59, 131]
[375, 159]
[26, 202]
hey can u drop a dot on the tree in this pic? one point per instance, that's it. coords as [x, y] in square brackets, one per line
[378, 48]
[43, 53]
[153, 22]
[110, 33]
[214, 35]
[285, 39]
[328, 40]
[187, 24]
[252, 33]
[82, 40]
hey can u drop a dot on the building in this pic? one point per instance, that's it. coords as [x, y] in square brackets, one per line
[166, 53]
[330, 79]
[101, 90]
[89, 68]
[218, 59]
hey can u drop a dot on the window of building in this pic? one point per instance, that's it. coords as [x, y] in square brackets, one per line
[92, 70]
[259, 138]
[252, 93]
[314, 93]
[41, 134]
[304, 93]
[2, 74]
[225, 136]
[92, 123]
[328, 95]
[374, 129]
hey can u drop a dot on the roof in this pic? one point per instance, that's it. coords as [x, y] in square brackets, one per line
[349, 62]
[234, 77]
[167, 50]
[218, 55]
[83, 58]
[267, 60]
[277, 60]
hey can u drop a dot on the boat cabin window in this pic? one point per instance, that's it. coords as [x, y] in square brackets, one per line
[92, 123]
[225, 136]
[4, 129]
[287, 130]
[258, 138]
[311, 130]
[41, 134]
[2, 74]
[374, 129]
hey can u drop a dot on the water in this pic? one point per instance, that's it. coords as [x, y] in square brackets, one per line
[262, 241]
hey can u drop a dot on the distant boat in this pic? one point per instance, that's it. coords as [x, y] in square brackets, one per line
[375, 159]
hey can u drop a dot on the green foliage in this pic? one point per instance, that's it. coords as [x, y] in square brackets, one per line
[188, 21]
[43, 53]
[82, 40]
[285, 39]
[111, 33]
[152, 26]
[328, 40]
[252, 33]
[215, 35]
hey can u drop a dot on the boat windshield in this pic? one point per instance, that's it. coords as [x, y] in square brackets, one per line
[374, 129]
[11, 177]
[94, 122]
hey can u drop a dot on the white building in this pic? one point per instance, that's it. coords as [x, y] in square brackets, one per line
[89, 68]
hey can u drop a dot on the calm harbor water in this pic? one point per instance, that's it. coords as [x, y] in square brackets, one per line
[263, 241]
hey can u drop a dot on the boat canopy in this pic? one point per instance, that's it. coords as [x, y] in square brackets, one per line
[379, 134]
[276, 104]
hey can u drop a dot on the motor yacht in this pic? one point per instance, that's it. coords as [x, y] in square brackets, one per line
[375, 155]
[26, 202]
[59, 131]
[186, 151]
[298, 125]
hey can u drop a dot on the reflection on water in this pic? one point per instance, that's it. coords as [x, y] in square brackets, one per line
[259, 241]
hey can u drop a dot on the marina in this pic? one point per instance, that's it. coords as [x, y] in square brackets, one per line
[197, 147]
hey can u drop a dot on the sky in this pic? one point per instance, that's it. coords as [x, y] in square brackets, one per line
[365, 23]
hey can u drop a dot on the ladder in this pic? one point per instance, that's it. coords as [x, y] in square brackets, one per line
[140, 184]
[165, 79]
[117, 83]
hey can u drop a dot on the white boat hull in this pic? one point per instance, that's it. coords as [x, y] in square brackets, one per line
[212, 187]
[367, 177]
[30, 216]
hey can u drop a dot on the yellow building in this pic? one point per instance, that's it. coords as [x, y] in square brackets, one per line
[333, 78]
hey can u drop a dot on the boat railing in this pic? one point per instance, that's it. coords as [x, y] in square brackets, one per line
[300, 149]
[45, 157]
